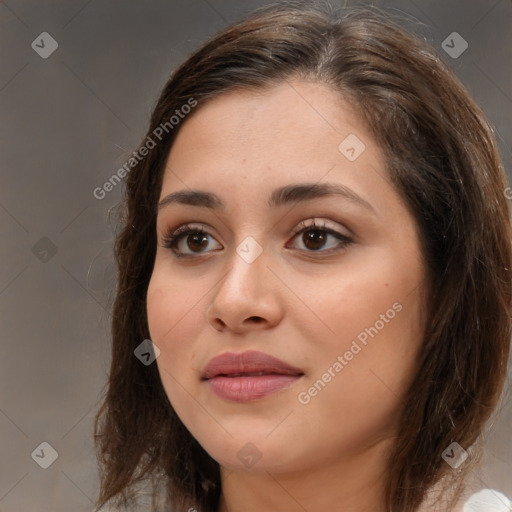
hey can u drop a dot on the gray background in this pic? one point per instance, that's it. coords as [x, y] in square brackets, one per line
[68, 123]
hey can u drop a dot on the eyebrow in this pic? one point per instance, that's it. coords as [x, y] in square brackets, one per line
[295, 193]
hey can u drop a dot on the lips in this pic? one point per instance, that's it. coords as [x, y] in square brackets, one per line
[247, 364]
[249, 376]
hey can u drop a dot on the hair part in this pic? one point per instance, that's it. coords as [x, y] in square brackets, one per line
[441, 156]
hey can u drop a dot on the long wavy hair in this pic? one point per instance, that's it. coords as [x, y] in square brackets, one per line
[442, 158]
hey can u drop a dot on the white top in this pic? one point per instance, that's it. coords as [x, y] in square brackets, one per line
[488, 500]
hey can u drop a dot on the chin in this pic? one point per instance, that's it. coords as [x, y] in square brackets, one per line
[255, 454]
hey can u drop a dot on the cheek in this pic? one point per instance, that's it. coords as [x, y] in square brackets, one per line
[171, 302]
[372, 317]
[175, 318]
[354, 394]
[174, 321]
[371, 300]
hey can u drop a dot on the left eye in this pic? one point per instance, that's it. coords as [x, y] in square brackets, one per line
[314, 239]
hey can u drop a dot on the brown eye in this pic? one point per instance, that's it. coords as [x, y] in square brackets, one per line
[197, 241]
[314, 239]
[188, 241]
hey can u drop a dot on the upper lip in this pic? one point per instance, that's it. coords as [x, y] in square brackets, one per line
[251, 361]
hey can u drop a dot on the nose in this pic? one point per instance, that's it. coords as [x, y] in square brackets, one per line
[247, 297]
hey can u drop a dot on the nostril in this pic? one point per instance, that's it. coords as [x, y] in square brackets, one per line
[217, 324]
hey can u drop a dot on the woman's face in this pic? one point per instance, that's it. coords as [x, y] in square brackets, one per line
[339, 304]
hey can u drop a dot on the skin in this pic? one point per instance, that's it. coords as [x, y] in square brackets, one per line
[292, 301]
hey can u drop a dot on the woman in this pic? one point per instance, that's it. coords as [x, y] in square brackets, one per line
[316, 249]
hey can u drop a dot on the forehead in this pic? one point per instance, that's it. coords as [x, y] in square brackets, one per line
[293, 130]
[285, 114]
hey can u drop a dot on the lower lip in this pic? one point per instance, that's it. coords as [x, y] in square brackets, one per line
[249, 389]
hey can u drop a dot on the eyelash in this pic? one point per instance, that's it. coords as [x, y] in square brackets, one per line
[171, 238]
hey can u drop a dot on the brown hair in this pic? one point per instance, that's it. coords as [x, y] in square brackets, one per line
[442, 157]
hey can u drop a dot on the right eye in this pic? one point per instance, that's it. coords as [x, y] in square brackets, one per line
[187, 237]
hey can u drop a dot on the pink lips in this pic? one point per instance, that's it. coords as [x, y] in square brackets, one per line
[248, 376]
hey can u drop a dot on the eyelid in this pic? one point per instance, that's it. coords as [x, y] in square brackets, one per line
[318, 223]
